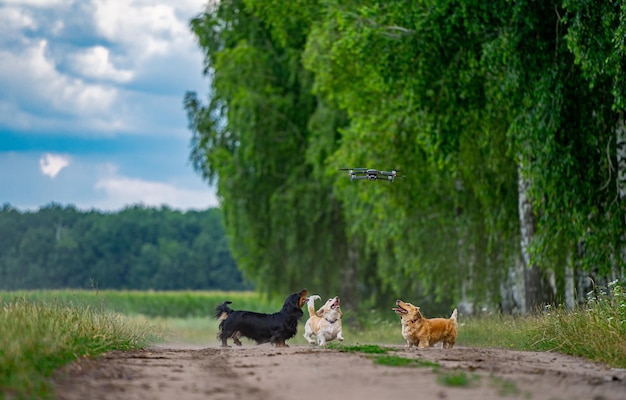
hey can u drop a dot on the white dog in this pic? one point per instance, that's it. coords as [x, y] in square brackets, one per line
[324, 323]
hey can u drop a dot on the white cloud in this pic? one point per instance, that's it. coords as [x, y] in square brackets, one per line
[103, 69]
[13, 19]
[58, 74]
[40, 3]
[147, 28]
[52, 164]
[122, 191]
[32, 77]
[106, 183]
[95, 62]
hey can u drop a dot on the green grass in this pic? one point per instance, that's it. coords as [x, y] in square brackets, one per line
[36, 338]
[457, 379]
[502, 331]
[359, 348]
[380, 356]
[397, 361]
[595, 331]
[161, 304]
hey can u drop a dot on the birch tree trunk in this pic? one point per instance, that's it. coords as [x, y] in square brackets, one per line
[570, 295]
[536, 288]
[512, 300]
[620, 142]
[350, 276]
[466, 305]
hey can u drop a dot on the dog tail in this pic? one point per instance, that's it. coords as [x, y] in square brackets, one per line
[311, 304]
[454, 318]
[222, 311]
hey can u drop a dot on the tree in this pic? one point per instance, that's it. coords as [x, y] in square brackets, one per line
[498, 113]
[286, 230]
[597, 39]
[136, 248]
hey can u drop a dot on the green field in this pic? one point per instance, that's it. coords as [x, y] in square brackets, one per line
[176, 304]
[43, 330]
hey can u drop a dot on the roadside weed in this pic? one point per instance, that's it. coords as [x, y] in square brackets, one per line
[457, 379]
[397, 361]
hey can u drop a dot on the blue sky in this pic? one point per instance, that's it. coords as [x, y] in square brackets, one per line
[91, 112]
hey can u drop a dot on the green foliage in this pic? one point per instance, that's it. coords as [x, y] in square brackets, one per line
[136, 248]
[467, 99]
[596, 37]
[38, 337]
[285, 228]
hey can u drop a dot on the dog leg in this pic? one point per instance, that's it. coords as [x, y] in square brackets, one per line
[307, 334]
[340, 336]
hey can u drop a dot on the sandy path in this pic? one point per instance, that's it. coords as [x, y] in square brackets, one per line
[263, 372]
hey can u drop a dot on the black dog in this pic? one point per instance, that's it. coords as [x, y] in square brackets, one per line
[274, 328]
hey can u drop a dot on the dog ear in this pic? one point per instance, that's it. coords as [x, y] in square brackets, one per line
[320, 312]
[418, 313]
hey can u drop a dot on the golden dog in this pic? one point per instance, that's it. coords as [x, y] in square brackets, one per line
[423, 332]
[324, 323]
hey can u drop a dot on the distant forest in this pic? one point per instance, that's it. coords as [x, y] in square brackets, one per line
[135, 248]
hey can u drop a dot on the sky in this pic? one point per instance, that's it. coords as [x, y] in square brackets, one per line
[91, 104]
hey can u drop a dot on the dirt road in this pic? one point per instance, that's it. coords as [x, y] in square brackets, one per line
[305, 372]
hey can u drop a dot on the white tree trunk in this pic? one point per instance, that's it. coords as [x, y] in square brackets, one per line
[570, 294]
[620, 143]
[349, 274]
[536, 289]
[512, 296]
[466, 305]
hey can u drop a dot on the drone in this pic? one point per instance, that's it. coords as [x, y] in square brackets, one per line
[371, 174]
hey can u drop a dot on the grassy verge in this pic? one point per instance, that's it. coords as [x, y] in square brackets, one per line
[595, 331]
[37, 337]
